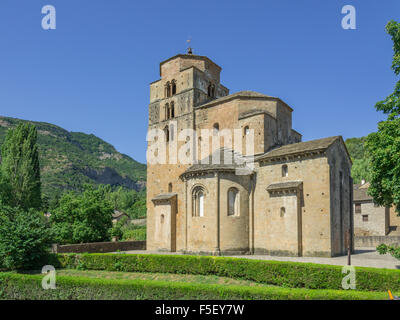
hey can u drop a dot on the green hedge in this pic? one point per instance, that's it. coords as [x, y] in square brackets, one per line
[283, 274]
[24, 286]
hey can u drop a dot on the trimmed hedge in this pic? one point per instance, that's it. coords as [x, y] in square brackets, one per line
[283, 274]
[24, 286]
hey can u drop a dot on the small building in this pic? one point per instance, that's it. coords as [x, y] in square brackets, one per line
[369, 218]
[117, 216]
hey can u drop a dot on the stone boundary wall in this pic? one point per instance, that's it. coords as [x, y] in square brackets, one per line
[100, 247]
[374, 241]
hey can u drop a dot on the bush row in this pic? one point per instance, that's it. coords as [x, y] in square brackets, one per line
[284, 274]
[25, 286]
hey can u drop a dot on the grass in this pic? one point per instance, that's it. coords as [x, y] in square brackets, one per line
[187, 278]
[80, 285]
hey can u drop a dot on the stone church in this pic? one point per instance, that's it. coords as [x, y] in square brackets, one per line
[295, 200]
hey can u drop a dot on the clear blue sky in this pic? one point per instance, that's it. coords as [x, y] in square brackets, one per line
[92, 73]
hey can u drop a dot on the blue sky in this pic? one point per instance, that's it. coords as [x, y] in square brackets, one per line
[92, 73]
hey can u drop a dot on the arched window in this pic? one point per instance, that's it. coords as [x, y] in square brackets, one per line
[172, 111]
[173, 87]
[233, 202]
[283, 211]
[168, 89]
[246, 130]
[166, 133]
[170, 187]
[215, 128]
[162, 219]
[211, 90]
[284, 170]
[166, 109]
[198, 202]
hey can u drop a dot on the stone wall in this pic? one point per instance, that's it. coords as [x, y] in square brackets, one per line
[374, 241]
[372, 221]
[100, 247]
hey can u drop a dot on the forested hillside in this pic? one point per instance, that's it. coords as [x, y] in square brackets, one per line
[68, 160]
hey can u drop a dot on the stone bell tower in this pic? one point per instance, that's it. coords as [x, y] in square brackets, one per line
[186, 82]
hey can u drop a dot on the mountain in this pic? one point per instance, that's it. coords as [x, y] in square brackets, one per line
[68, 160]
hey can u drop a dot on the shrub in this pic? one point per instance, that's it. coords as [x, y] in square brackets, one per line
[83, 217]
[24, 286]
[134, 234]
[394, 251]
[24, 238]
[285, 274]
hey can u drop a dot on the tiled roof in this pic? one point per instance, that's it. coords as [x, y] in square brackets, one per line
[294, 148]
[241, 94]
[360, 193]
[284, 185]
[222, 159]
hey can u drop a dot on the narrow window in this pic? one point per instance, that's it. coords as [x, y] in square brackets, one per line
[357, 208]
[246, 130]
[172, 110]
[168, 89]
[233, 202]
[166, 111]
[283, 211]
[173, 87]
[166, 133]
[201, 203]
[170, 187]
[198, 202]
[162, 219]
[284, 170]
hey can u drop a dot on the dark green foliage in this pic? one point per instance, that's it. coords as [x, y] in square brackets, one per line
[384, 146]
[360, 169]
[24, 238]
[133, 233]
[68, 160]
[20, 169]
[285, 274]
[84, 217]
[130, 202]
[393, 250]
[25, 286]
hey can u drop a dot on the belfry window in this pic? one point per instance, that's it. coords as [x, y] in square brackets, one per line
[173, 87]
[233, 202]
[211, 90]
[198, 202]
[246, 130]
[172, 110]
[166, 109]
[168, 89]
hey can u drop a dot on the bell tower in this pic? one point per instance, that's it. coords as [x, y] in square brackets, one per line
[186, 82]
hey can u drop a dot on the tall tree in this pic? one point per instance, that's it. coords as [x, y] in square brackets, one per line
[383, 147]
[20, 168]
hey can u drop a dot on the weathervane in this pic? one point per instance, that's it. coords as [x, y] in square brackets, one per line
[189, 49]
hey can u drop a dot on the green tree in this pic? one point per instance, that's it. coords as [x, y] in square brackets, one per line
[85, 217]
[384, 146]
[24, 238]
[20, 168]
